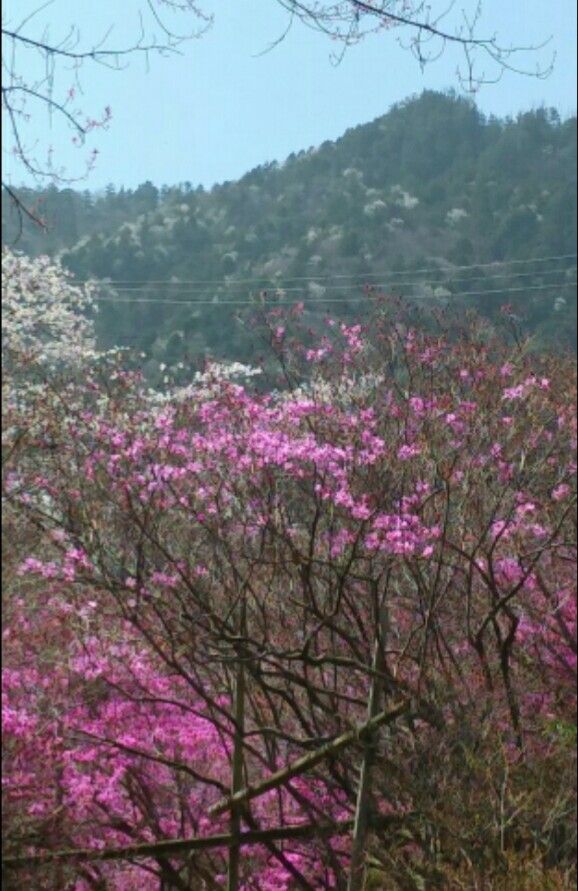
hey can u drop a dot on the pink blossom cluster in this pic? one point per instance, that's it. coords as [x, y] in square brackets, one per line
[332, 511]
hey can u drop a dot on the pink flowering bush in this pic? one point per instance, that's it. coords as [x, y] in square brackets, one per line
[395, 521]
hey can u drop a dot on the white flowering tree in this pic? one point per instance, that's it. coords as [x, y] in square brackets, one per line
[48, 345]
[46, 319]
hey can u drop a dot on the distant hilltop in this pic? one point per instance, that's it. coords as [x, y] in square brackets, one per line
[419, 202]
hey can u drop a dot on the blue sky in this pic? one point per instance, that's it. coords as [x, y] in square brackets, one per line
[220, 108]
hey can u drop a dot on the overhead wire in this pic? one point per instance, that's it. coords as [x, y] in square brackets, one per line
[355, 285]
[313, 301]
[278, 292]
[273, 283]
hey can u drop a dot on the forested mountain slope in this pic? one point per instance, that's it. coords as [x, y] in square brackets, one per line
[407, 202]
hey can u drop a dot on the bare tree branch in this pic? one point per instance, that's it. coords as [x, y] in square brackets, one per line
[25, 95]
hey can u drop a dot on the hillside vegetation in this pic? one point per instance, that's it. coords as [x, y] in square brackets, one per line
[404, 202]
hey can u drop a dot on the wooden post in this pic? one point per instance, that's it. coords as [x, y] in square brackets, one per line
[306, 762]
[363, 808]
[238, 763]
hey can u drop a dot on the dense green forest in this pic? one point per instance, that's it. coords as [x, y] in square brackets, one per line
[409, 203]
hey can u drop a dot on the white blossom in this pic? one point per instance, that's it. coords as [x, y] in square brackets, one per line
[45, 317]
[455, 215]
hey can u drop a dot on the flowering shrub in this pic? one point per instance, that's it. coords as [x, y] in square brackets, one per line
[396, 522]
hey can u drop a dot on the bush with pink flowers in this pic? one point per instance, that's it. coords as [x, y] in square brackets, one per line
[394, 523]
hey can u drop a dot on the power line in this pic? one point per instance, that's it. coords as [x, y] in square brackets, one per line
[216, 303]
[352, 285]
[430, 269]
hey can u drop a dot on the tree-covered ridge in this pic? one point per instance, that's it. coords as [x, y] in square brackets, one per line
[432, 185]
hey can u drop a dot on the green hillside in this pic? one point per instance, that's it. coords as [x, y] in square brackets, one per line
[402, 202]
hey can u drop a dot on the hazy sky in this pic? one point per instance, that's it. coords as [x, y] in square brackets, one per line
[219, 109]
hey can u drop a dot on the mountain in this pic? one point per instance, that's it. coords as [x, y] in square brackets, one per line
[419, 202]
